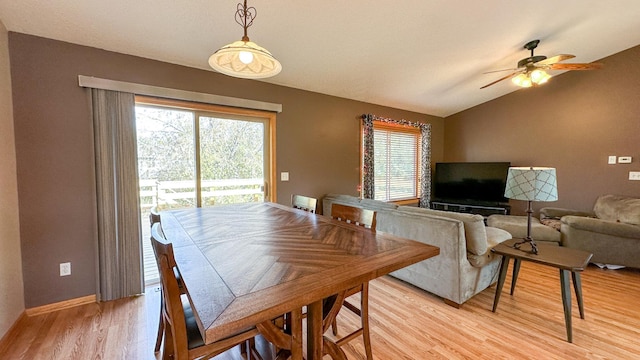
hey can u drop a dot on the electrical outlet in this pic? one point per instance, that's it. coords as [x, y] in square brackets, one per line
[65, 269]
[634, 175]
[612, 159]
[284, 176]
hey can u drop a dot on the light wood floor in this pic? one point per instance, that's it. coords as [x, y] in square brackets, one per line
[407, 323]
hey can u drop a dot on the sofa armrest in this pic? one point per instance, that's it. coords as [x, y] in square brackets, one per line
[602, 226]
[557, 213]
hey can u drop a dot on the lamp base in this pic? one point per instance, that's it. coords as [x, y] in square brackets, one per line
[534, 246]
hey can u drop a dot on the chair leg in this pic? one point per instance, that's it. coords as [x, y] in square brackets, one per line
[160, 325]
[243, 350]
[363, 312]
[248, 350]
[168, 350]
[364, 317]
[334, 327]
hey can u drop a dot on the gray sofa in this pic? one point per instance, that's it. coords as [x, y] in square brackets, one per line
[517, 227]
[611, 232]
[465, 266]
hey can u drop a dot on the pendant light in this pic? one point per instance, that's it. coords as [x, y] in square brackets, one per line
[244, 58]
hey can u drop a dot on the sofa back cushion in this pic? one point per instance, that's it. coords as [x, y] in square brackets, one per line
[618, 208]
[474, 229]
[370, 204]
[377, 205]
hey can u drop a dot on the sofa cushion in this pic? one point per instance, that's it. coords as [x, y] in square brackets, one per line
[377, 205]
[618, 208]
[474, 229]
[494, 237]
[517, 227]
[343, 198]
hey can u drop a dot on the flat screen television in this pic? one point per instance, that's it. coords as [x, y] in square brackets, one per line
[480, 183]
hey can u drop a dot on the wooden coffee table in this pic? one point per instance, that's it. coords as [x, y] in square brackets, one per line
[565, 259]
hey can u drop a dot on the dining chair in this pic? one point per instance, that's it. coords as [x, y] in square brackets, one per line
[304, 203]
[182, 338]
[367, 219]
[154, 217]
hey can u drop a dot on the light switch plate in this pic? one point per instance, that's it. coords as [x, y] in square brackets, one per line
[624, 160]
[634, 175]
[284, 176]
[612, 159]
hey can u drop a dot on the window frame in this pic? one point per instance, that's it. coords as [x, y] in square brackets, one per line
[398, 128]
[211, 109]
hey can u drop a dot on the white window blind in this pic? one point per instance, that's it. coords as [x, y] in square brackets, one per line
[396, 164]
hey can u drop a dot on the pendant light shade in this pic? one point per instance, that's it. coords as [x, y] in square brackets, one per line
[244, 58]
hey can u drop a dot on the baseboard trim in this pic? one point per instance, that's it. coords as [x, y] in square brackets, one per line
[44, 309]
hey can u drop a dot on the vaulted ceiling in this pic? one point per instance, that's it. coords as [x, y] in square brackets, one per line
[427, 56]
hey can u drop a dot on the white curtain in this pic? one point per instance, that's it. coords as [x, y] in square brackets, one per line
[119, 234]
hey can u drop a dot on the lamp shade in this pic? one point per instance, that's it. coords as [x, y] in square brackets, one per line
[532, 184]
[245, 59]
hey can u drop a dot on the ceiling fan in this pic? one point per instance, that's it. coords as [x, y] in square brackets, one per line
[531, 70]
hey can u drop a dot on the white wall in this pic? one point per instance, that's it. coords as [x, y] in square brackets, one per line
[11, 285]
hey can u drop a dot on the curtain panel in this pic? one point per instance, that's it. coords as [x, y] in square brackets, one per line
[368, 183]
[119, 233]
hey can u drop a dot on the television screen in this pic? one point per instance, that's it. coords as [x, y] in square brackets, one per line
[470, 182]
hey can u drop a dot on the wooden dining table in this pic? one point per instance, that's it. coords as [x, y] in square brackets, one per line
[246, 264]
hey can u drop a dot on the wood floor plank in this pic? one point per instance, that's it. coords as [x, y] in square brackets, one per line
[406, 323]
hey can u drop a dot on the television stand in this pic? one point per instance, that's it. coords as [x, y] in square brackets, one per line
[480, 209]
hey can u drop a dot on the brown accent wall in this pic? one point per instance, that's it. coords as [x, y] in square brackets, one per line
[317, 143]
[11, 295]
[572, 123]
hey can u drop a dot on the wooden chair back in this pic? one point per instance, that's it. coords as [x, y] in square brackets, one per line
[176, 340]
[182, 338]
[354, 215]
[154, 216]
[304, 203]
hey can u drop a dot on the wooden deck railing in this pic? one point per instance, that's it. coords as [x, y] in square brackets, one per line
[171, 193]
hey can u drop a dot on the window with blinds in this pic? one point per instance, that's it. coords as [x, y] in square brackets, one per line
[396, 162]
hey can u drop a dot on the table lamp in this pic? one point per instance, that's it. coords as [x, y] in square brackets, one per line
[531, 184]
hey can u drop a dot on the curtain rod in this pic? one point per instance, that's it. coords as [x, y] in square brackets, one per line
[150, 90]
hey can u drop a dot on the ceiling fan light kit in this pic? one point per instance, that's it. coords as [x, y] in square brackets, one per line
[531, 70]
[533, 78]
[244, 58]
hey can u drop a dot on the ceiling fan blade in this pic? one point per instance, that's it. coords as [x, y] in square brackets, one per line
[591, 66]
[555, 59]
[502, 78]
[495, 71]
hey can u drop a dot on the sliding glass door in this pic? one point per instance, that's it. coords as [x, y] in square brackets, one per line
[193, 155]
[232, 159]
[197, 158]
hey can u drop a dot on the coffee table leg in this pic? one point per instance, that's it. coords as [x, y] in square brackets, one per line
[577, 286]
[514, 278]
[566, 301]
[503, 274]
